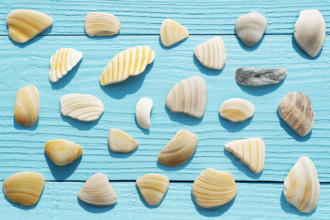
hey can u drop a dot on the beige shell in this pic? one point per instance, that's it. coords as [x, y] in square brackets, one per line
[212, 53]
[214, 188]
[309, 31]
[27, 105]
[236, 109]
[142, 112]
[301, 186]
[120, 141]
[153, 187]
[171, 32]
[97, 190]
[62, 62]
[24, 188]
[81, 106]
[179, 149]
[25, 24]
[250, 151]
[130, 62]
[188, 96]
[62, 152]
[101, 24]
[296, 110]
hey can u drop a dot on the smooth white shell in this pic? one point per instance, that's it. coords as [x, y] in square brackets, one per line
[142, 112]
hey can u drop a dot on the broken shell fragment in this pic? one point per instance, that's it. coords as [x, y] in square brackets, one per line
[251, 76]
[171, 32]
[236, 109]
[142, 112]
[120, 141]
[101, 24]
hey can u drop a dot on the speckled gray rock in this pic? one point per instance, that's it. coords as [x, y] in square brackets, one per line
[252, 76]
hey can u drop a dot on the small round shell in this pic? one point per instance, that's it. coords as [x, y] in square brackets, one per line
[236, 109]
[142, 112]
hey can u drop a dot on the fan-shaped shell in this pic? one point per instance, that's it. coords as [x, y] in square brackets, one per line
[236, 109]
[101, 24]
[142, 112]
[171, 32]
[120, 141]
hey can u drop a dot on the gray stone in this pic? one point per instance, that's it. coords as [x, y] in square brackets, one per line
[251, 76]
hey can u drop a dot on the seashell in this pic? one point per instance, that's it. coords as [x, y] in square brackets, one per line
[153, 187]
[296, 110]
[214, 188]
[142, 112]
[251, 76]
[179, 149]
[309, 31]
[236, 109]
[171, 32]
[62, 62]
[188, 96]
[250, 28]
[26, 110]
[81, 106]
[250, 151]
[130, 62]
[23, 24]
[120, 141]
[62, 152]
[24, 188]
[101, 24]
[301, 186]
[212, 53]
[97, 190]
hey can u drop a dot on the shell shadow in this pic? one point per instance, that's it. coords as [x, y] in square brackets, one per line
[145, 203]
[183, 118]
[289, 208]
[302, 53]
[260, 90]
[171, 47]
[205, 70]
[93, 208]
[80, 125]
[144, 131]
[233, 127]
[247, 48]
[18, 126]
[65, 79]
[177, 167]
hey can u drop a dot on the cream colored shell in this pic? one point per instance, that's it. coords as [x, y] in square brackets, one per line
[236, 109]
[101, 24]
[171, 32]
[120, 141]
[142, 112]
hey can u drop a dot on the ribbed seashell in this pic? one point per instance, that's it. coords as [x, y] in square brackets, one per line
[309, 31]
[130, 62]
[171, 32]
[188, 96]
[62, 152]
[24, 188]
[142, 112]
[153, 187]
[252, 76]
[83, 107]
[250, 151]
[179, 149]
[27, 105]
[62, 62]
[236, 109]
[214, 188]
[296, 110]
[251, 27]
[101, 24]
[97, 190]
[212, 53]
[121, 141]
[25, 24]
[301, 186]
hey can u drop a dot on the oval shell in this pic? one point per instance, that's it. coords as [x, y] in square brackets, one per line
[171, 32]
[236, 109]
[142, 112]
[101, 24]
[120, 141]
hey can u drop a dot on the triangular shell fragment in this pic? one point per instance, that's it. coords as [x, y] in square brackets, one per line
[101, 24]
[171, 32]
[121, 141]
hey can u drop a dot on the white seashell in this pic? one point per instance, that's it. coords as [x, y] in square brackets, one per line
[120, 141]
[62, 62]
[142, 112]
[171, 32]
[101, 24]
[301, 186]
[236, 109]
[212, 53]
[81, 106]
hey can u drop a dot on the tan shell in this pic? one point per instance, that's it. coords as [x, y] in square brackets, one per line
[236, 109]
[27, 105]
[142, 112]
[101, 24]
[179, 149]
[171, 32]
[120, 141]
[296, 110]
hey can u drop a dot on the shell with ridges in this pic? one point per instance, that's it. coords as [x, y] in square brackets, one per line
[236, 109]
[171, 32]
[101, 24]
[121, 141]
[142, 112]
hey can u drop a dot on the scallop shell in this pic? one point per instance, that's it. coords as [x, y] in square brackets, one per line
[130, 62]
[27, 105]
[142, 112]
[101, 24]
[24, 188]
[301, 186]
[120, 141]
[23, 24]
[153, 187]
[81, 106]
[214, 188]
[179, 149]
[97, 190]
[309, 31]
[250, 151]
[171, 32]
[212, 53]
[236, 109]
[296, 110]
[62, 152]
[62, 62]
[188, 96]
